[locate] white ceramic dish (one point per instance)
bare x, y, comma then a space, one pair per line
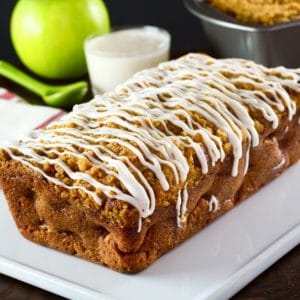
214, 264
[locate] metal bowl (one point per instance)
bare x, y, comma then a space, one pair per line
268, 45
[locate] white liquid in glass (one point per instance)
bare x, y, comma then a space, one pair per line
115, 57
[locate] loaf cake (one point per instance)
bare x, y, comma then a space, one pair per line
128, 176
260, 12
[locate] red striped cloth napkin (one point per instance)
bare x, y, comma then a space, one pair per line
18, 118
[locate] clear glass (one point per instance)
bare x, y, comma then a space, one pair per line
114, 57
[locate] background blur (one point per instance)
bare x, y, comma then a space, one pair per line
170, 14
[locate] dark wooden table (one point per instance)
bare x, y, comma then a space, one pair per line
281, 281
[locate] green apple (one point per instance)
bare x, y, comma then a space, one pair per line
48, 35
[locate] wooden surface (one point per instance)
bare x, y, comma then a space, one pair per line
280, 282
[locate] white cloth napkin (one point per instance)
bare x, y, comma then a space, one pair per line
18, 118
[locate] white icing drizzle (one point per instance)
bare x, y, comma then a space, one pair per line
181, 206
213, 204
279, 165
156, 116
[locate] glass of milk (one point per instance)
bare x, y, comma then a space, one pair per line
114, 57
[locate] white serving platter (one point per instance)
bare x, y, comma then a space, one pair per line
214, 264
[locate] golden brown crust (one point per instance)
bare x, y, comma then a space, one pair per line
55, 192
50, 218
260, 11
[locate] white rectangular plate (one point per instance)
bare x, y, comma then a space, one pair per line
214, 264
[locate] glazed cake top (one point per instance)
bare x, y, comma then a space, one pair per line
135, 143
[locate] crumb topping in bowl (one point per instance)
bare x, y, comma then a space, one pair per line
260, 12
